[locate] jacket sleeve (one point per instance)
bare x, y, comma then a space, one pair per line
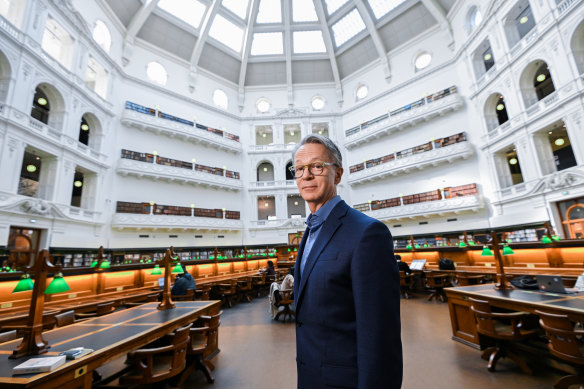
375, 282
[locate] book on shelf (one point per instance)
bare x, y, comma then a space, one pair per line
39, 365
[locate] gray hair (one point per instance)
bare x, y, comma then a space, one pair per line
328, 144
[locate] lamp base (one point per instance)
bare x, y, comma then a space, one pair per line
32, 343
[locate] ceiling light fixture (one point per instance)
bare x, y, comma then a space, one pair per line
559, 142
266, 205
78, 184
265, 169
500, 107
523, 20
540, 78
31, 168
85, 127
42, 101
513, 161
488, 57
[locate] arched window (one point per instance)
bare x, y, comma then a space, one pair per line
156, 73
220, 99
501, 111
40, 106
57, 42
577, 45
263, 105
84, 131
361, 92
289, 175
542, 82
265, 172
473, 19
102, 36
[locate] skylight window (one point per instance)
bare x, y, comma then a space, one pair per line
220, 99
270, 11
333, 5
308, 42
303, 11
381, 7
267, 43
227, 33
349, 26
190, 11
102, 35
156, 73
238, 7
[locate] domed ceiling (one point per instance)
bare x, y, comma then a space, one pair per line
278, 42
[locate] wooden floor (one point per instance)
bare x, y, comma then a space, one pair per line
257, 352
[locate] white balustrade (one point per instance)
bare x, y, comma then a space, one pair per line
429, 208
128, 220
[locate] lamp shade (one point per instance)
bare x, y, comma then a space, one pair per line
94, 263
156, 271
556, 238
178, 269
24, 284
507, 250
409, 247
105, 265
417, 246
546, 240
58, 285
462, 244
486, 252
471, 243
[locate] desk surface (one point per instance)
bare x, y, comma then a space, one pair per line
110, 336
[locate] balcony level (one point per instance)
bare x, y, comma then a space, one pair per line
129, 167
455, 205
437, 104
270, 185
271, 148
427, 159
126, 221
34, 208
175, 129
39, 129
296, 223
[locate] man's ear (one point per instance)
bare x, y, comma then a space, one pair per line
338, 175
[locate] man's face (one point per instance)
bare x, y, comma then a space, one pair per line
317, 190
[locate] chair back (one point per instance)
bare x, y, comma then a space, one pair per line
212, 322
563, 338
105, 308
65, 318
152, 298
404, 279
436, 280
7, 336
484, 317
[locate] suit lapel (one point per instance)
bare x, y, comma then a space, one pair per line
330, 226
297, 273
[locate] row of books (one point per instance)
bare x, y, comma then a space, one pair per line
153, 112
433, 195
442, 142
415, 104
160, 209
151, 158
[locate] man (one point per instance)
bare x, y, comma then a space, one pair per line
346, 284
182, 283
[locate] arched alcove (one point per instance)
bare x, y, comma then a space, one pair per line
577, 46
90, 131
536, 82
265, 171
5, 72
51, 110
495, 111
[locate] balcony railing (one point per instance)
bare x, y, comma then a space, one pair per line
258, 185
149, 119
565, 5
291, 223
10, 29
402, 118
470, 203
272, 148
434, 157
135, 221
532, 36
37, 208
163, 172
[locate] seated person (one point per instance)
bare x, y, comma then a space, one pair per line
182, 283
288, 281
402, 266
270, 270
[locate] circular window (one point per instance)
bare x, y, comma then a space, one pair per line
263, 105
422, 61
475, 17
220, 99
318, 103
102, 36
156, 73
361, 92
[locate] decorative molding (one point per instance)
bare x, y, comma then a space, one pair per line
435, 157
429, 208
122, 221
280, 224
272, 148
273, 185
172, 173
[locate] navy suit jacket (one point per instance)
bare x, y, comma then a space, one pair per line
347, 306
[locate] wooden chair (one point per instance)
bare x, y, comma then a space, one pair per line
228, 292
65, 318
405, 282
436, 282
259, 283
494, 325
190, 296
7, 336
465, 279
101, 309
564, 343
245, 288
285, 299
155, 364
198, 343
202, 293
151, 298
212, 323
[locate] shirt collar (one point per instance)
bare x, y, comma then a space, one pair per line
317, 218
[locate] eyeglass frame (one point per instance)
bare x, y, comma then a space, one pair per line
292, 168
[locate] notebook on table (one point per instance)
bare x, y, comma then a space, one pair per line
553, 284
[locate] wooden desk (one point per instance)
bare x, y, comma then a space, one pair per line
110, 336
463, 321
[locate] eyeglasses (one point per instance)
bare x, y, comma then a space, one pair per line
315, 168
